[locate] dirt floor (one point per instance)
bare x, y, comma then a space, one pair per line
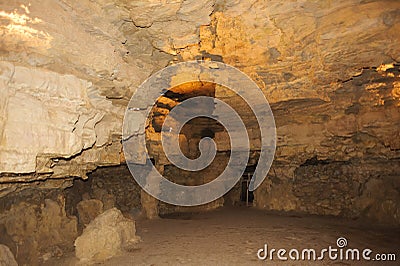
232, 236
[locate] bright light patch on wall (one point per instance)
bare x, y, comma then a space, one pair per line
17, 27
26, 8
396, 92
385, 67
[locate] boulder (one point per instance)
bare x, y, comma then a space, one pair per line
108, 235
6, 257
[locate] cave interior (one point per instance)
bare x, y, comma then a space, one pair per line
330, 71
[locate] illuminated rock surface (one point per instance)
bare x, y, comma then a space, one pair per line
329, 69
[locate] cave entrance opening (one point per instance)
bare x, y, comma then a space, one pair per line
247, 196
190, 136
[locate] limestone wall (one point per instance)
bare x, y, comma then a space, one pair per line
330, 70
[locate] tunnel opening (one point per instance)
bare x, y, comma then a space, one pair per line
247, 196
189, 138
114, 185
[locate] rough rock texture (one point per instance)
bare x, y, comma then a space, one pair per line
88, 210
334, 164
301, 49
32, 112
170, 25
330, 70
37, 227
106, 236
6, 257
68, 54
113, 186
188, 178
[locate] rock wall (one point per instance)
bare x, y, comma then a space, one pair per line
113, 186
48, 115
332, 156
39, 223
35, 226
67, 72
328, 68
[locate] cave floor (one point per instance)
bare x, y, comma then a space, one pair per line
232, 236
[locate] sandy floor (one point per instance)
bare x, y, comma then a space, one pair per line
232, 236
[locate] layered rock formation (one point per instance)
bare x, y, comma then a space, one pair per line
7, 258
35, 226
329, 69
349, 164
